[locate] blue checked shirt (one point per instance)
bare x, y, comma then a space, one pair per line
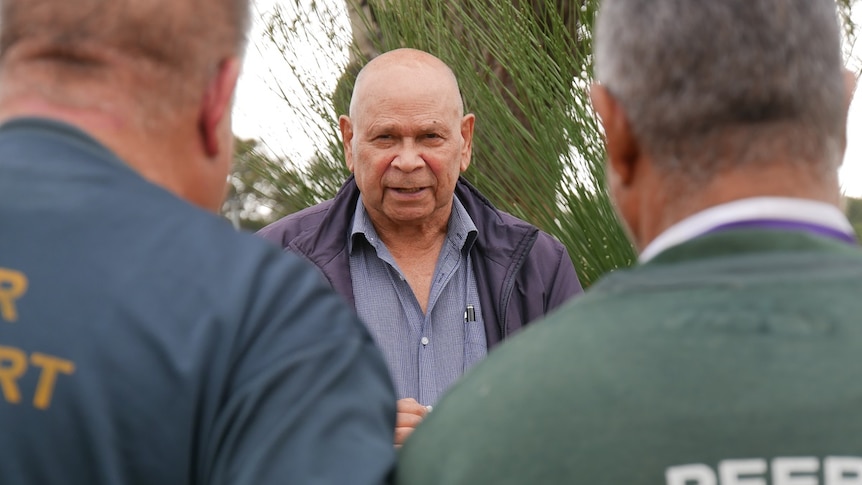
427, 352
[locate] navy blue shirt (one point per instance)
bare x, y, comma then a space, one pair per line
143, 341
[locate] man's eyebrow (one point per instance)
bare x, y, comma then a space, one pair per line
382, 126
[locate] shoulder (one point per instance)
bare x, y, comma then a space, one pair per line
499, 232
291, 339
321, 220
506, 238
236, 277
493, 220
289, 227
483, 212
547, 244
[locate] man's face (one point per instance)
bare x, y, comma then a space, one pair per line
406, 144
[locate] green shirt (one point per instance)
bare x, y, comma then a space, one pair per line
734, 356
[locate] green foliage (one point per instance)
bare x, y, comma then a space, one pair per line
845, 8
263, 188
524, 67
308, 93
853, 208
249, 196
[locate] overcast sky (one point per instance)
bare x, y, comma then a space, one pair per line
260, 114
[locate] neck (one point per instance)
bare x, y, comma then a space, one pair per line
412, 238
420, 236
112, 120
666, 204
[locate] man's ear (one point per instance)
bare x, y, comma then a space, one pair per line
468, 122
622, 147
216, 104
850, 79
346, 127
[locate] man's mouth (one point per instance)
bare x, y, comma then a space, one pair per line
412, 190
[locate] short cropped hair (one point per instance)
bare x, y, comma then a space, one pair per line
181, 38
706, 83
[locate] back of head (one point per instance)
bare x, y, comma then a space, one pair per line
152, 80
708, 85
167, 45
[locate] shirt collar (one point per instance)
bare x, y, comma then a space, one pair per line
461, 231
783, 208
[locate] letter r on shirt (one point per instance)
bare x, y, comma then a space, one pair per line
13, 284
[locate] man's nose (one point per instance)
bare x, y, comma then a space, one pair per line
409, 157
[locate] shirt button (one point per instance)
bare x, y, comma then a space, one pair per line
424, 340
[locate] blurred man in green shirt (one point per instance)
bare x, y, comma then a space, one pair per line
731, 353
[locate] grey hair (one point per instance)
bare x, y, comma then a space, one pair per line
241, 13
171, 45
707, 83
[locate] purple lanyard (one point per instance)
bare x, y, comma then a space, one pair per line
816, 229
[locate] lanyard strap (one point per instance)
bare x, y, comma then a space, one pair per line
816, 229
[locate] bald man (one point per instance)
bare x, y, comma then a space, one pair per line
142, 340
436, 272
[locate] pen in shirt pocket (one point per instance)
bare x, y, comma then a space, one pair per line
470, 314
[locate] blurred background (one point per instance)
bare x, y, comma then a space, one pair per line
523, 65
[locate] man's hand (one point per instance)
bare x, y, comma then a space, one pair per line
410, 414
